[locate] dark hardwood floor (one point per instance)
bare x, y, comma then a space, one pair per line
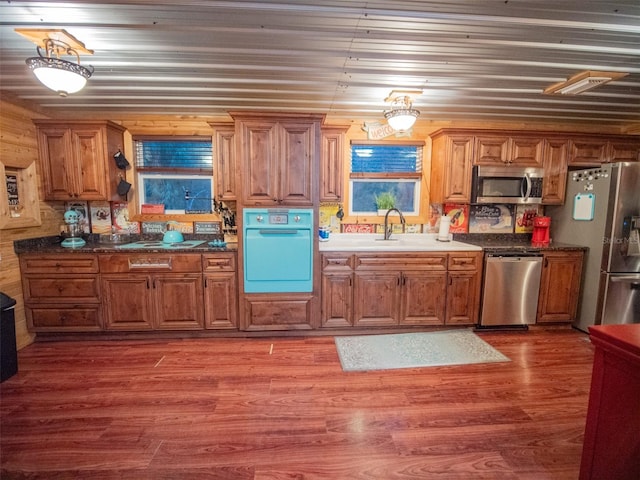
229, 409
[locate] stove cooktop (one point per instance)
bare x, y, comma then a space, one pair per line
159, 245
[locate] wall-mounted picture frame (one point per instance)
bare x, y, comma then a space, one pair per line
19, 203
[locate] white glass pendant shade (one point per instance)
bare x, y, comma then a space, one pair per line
402, 119
59, 75
402, 116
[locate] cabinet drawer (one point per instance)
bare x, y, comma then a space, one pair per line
223, 262
76, 318
123, 263
402, 261
461, 261
337, 261
77, 263
61, 289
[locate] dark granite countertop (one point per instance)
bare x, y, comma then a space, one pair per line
52, 244
514, 242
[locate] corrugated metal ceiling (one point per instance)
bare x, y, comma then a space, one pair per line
475, 61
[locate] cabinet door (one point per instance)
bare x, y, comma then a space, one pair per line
490, 150
221, 301
587, 152
376, 298
56, 160
224, 158
259, 165
89, 171
178, 301
624, 151
331, 164
127, 302
337, 299
297, 150
526, 151
559, 286
554, 183
451, 169
423, 298
462, 298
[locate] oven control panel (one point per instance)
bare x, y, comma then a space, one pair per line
279, 217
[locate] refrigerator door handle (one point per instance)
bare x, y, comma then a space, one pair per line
633, 280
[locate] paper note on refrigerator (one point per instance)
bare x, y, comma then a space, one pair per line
583, 206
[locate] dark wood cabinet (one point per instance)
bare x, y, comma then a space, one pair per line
463, 289
559, 286
61, 292
152, 291
332, 145
337, 290
554, 184
451, 167
76, 159
225, 168
400, 289
504, 150
279, 158
220, 291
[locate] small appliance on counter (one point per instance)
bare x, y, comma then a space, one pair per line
73, 231
541, 226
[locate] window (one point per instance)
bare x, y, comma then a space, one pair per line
176, 173
379, 168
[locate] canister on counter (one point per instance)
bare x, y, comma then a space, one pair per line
323, 233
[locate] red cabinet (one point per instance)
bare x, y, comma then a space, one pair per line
612, 434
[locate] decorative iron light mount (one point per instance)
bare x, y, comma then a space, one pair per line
402, 115
61, 76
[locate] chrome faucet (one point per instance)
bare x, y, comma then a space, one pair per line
388, 228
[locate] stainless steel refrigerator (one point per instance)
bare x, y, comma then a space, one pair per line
602, 212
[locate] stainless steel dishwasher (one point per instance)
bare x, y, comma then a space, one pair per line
510, 289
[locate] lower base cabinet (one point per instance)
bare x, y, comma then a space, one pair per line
148, 302
398, 289
61, 293
220, 291
278, 311
559, 286
170, 298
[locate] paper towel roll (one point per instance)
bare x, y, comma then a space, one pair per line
445, 223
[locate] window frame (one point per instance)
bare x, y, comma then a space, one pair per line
419, 205
140, 173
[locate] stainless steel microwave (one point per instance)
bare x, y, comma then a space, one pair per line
506, 185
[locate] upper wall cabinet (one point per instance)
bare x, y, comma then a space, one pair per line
77, 159
594, 150
224, 158
332, 146
279, 158
451, 167
522, 151
454, 151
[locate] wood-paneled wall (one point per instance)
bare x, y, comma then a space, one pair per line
18, 140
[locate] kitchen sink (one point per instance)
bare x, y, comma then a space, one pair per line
405, 242
160, 245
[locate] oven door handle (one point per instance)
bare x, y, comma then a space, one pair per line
277, 231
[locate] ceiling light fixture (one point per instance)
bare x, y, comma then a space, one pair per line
583, 82
61, 76
402, 116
